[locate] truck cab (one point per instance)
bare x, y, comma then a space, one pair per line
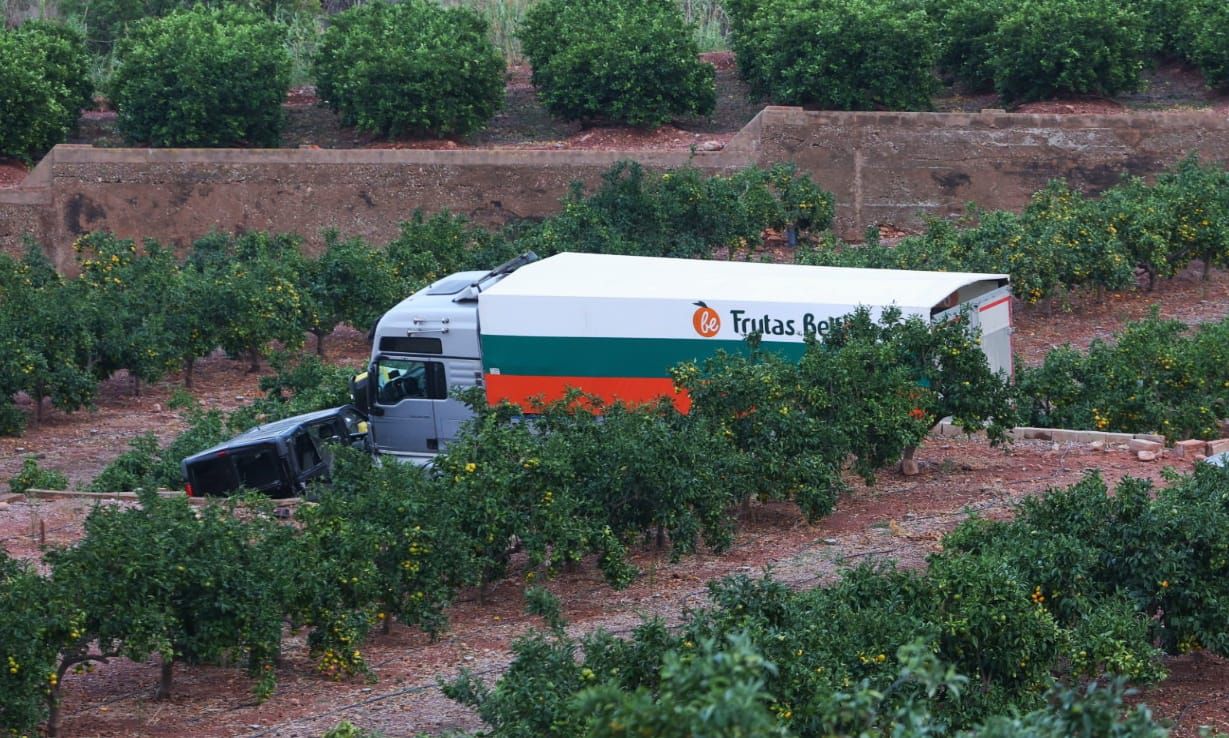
423, 350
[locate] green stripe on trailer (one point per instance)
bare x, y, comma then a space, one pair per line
608, 357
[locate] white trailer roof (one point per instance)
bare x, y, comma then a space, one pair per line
643, 277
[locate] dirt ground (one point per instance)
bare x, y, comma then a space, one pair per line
900, 518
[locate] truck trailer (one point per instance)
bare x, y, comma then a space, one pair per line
613, 326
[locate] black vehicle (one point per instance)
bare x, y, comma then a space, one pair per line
278, 458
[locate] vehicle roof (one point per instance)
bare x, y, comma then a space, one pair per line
433, 297
267, 431
641, 277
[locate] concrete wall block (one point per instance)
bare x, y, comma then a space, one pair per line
1218, 446
1143, 444
1190, 449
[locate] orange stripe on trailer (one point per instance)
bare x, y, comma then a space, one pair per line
996, 303
521, 390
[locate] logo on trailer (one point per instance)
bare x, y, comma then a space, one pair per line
705, 320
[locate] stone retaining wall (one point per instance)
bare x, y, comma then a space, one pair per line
885, 168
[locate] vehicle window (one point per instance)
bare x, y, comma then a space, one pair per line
212, 476
400, 379
352, 421
325, 431
258, 467
305, 451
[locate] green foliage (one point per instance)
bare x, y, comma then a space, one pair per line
188, 585
33, 476
124, 296
428, 249
349, 283
837, 54
136, 468
966, 31
1204, 31
382, 543
862, 389
681, 213
1043, 48
511, 480
45, 83
624, 61
1065, 240
298, 385
716, 691
1160, 551
347, 729
202, 77
1154, 377
256, 296
410, 68
29, 646
46, 347
1080, 582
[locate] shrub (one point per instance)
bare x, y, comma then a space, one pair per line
65, 61
1154, 377
186, 584
966, 39
202, 77
33, 476
43, 76
682, 213
625, 61
1208, 41
1047, 47
410, 68
839, 54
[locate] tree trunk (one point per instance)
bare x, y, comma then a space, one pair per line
254, 367
319, 343
388, 624
188, 365
661, 536
53, 712
1207, 268
136, 386
164, 680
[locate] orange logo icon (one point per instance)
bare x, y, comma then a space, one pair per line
705, 320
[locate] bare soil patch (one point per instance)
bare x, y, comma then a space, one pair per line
12, 173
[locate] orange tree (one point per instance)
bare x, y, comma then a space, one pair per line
127, 298
351, 283
1156, 376
29, 647
1161, 552
382, 543
45, 344
868, 390
257, 298
163, 579
507, 490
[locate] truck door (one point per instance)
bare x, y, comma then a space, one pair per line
406, 392
451, 413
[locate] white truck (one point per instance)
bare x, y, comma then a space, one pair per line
613, 326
